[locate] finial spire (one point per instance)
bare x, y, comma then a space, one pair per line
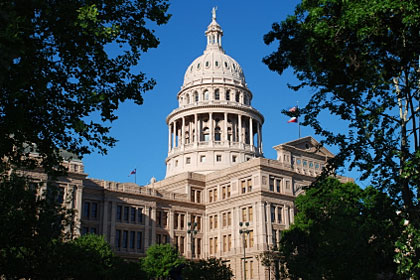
213, 13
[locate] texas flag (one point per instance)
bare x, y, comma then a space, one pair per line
293, 119
293, 109
132, 172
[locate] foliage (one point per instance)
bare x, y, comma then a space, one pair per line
408, 252
340, 232
360, 57
160, 260
58, 73
31, 227
210, 269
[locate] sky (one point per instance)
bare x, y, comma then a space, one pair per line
142, 132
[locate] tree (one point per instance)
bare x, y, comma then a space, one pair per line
57, 73
160, 260
210, 269
340, 232
361, 60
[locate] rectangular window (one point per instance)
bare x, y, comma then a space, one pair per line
164, 239
224, 243
132, 238
140, 215
279, 215
251, 239
176, 217
278, 185
249, 185
93, 230
210, 195
215, 194
271, 183
273, 214
244, 215
85, 230
94, 210
118, 238
229, 242
218, 158
125, 239
119, 210
198, 247
192, 195
165, 219
158, 239
182, 244
211, 222
215, 245
250, 214
223, 192
198, 197
159, 218
188, 160
274, 236
139, 239
215, 221
287, 185
224, 219
243, 186
229, 218
228, 191
86, 209
233, 158
202, 158
133, 215
211, 245
198, 223
182, 221
126, 211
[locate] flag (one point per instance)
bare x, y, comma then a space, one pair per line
132, 172
293, 109
293, 119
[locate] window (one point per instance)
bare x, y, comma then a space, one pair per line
316, 165
237, 98
224, 192
278, 185
217, 135
271, 183
216, 93
85, 230
218, 158
196, 96
249, 185
279, 215
133, 214
243, 186
211, 245
198, 223
132, 238
125, 239
176, 163
215, 194
224, 243
311, 164
176, 217
158, 239
227, 95
198, 246
159, 218
305, 163
244, 215
287, 185
224, 219
215, 221
139, 239
165, 219
206, 95
229, 242
118, 238
250, 214
86, 209
140, 215
198, 197
251, 239
210, 195
188, 160
126, 211
119, 210
192, 195
94, 210
229, 218
273, 214
181, 244
202, 158
298, 161
211, 222
233, 158
215, 245
182, 220
228, 191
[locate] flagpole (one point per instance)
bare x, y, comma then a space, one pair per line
297, 105
135, 176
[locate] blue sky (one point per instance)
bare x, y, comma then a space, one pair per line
142, 131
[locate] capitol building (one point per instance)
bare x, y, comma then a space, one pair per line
220, 197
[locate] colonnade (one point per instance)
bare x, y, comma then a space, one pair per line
214, 128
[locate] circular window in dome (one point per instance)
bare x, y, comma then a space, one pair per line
198, 66
226, 65
207, 64
216, 63
191, 68
234, 68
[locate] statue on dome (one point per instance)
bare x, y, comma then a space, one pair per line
213, 12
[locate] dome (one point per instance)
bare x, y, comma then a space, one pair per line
214, 65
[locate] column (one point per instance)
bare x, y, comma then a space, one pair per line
269, 225
169, 137
153, 225
196, 128
174, 136
261, 232
226, 127
79, 204
251, 133
211, 127
259, 137
146, 227
261, 143
240, 128
183, 132
105, 218
286, 216
171, 225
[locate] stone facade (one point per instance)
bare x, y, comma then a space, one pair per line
217, 181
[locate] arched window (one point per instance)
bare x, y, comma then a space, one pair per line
206, 95
195, 96
217, 134
188, 99
227, 95
237, 97
206, 135
216, 95
246, 99
230, 134
187, 137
